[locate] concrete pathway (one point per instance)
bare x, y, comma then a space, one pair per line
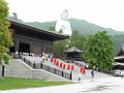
99, 85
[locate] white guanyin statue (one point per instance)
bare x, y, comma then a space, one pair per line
63, 24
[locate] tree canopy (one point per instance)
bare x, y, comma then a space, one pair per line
5, 35
60, 46
74, 41
77, 40
99, 51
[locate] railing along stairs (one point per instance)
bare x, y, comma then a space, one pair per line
42, 65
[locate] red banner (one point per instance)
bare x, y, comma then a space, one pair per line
82, 70
61, 64
68, 67
64, 65
72, 67
57, 63
51, 59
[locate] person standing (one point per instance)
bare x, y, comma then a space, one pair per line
80, 77
92, 75
122, 74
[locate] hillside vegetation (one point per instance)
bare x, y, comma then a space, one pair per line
86, 28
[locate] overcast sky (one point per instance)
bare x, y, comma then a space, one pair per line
106, 13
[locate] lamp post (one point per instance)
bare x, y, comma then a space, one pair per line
3, 67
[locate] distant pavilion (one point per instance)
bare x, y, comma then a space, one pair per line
73, 53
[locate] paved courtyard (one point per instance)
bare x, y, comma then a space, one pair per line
99, 85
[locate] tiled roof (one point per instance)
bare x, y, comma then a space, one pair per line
73, 49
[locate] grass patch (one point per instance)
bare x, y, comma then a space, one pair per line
17, 83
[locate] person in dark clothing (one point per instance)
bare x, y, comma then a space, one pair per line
92, 75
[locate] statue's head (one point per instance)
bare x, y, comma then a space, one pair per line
65, 15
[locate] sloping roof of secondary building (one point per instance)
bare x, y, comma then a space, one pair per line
73, 49
44, 33
121, 52
120, 55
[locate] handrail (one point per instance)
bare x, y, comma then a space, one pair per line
47, 68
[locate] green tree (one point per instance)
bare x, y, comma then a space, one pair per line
5, 35
52, 28
60, 31
60, 46
99, 51
77, 40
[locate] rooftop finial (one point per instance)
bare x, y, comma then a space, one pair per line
15, 15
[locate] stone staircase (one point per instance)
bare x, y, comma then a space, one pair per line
18, 69
23, 69
75, 73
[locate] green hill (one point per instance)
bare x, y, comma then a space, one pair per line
40, 25
84, 28
117, 41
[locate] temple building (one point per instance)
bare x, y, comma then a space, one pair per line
119, 59
31, 40
120, 56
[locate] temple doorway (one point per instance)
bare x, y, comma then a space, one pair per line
24, 48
